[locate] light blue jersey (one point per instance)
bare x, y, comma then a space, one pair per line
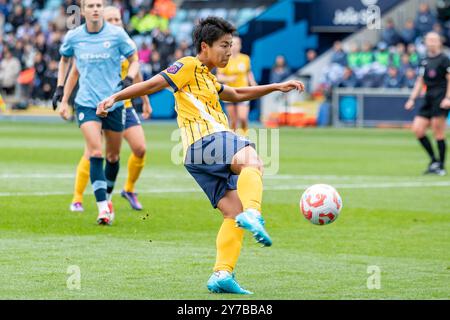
98, 57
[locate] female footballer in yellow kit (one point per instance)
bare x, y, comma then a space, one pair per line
226, 166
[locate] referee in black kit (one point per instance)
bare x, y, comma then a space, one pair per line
435, 74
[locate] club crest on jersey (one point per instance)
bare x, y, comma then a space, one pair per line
175, 67
432, 73
107, 44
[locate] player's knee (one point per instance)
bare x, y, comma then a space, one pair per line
418, 131
140, 151
96, 153
112, 157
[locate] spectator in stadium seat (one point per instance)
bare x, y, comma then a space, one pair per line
382, 55
425, 19
280, 70
50, 80
409, 33
353, 57
397, 53
393, 79
17, 17
4, 8
165, 43
404, 64
409, 78
414, 58
339, 56
60, 19
9, 72
389, 34
144, 53
187, 49
40, 67
348, 80
155, 63
29, 16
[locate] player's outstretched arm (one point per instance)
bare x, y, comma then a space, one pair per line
146, 106
71, 82
249, 93
155, 84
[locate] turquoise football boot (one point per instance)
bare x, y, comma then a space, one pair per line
225, 283
252, 221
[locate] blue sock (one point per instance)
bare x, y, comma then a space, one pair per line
111, 171
98, 178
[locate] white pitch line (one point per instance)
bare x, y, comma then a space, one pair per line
183, 175
385, 185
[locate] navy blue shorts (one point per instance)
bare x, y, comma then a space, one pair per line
208, 160
132, 118
115, 121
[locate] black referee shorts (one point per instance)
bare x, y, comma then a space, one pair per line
431, 107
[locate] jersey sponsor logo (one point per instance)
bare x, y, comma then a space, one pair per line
175, 67
95, 56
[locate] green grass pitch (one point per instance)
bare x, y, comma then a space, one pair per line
393, 218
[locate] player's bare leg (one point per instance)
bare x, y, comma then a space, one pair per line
232, 116
136, 140
242, 113
92, 132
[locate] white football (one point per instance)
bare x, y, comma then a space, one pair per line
321, 204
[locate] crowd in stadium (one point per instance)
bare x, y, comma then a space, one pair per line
391, 63
29, 47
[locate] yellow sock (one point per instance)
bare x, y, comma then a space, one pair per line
81, 179
245, 132
250, 188
135, 166
229, 243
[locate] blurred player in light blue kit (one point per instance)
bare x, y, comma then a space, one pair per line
97, 47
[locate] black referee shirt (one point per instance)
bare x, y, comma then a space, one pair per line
434, 71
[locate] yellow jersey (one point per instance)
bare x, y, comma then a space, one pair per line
123, 73
239, 67
196, 92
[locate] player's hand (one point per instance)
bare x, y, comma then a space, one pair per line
409, 104
146, 110
291, 85
102, 107
445, 104
64, 110
57, 96
126, 82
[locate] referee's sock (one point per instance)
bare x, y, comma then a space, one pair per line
442, 146
426, 144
